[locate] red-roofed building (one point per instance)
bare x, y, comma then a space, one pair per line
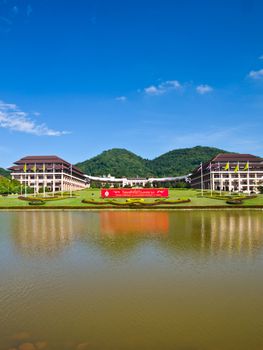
230, 172
48, 172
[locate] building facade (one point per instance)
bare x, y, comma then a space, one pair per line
48, 173
133, 182
230, 172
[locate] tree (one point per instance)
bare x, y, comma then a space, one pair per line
8, 186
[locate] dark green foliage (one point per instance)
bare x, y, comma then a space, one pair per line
120, 162
182, 161
234, 201
36, 202
4, 172
117, 162
260, 189
8, 186
95, 184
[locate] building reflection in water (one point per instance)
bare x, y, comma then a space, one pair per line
206, 231
114, 223
42, 232
233, 232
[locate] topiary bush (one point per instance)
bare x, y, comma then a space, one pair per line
234, 201
36, 202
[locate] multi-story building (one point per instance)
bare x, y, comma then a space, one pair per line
134, 182
230, 172
48, 173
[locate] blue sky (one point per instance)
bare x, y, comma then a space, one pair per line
78, 77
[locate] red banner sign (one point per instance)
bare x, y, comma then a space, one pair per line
134, 193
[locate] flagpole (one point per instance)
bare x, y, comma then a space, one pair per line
62, 180
25, 169
53, 183
220, 178
71, 180
248, 181
37, 175
35, 182
44, 182
211, 186
229, 180
202, 183
25, 185
238, 174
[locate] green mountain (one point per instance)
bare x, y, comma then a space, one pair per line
117, 162
120, 162
4, 172
182, 161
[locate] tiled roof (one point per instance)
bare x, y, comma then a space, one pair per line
236, 157
43, 160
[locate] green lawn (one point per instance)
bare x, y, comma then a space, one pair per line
193, 195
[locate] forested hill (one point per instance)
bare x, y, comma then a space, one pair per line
4, 172
182, 161
117, 162
120, 162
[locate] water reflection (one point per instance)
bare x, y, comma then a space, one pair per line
41, 232
126, 280
133, 223
217, 231
207, 231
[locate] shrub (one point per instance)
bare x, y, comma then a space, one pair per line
234, 201
135, 200
138, 203
48, 199
37, 202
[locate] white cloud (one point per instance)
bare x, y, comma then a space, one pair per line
121, 98
151, 90
204, 89
256, 74
12, 118
163, 87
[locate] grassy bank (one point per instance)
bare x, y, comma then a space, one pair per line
94, 194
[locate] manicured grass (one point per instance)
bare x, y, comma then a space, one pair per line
88, 194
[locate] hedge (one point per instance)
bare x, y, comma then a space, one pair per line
137, 203
37, 203
46, 199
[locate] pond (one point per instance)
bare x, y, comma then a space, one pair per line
146, 280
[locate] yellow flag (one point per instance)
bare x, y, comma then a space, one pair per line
246, 166
34, 168
44, 168
25, 168
226, 166
236, 168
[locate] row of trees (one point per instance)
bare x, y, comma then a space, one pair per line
8, 186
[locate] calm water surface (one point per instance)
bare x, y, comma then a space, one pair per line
184, 280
